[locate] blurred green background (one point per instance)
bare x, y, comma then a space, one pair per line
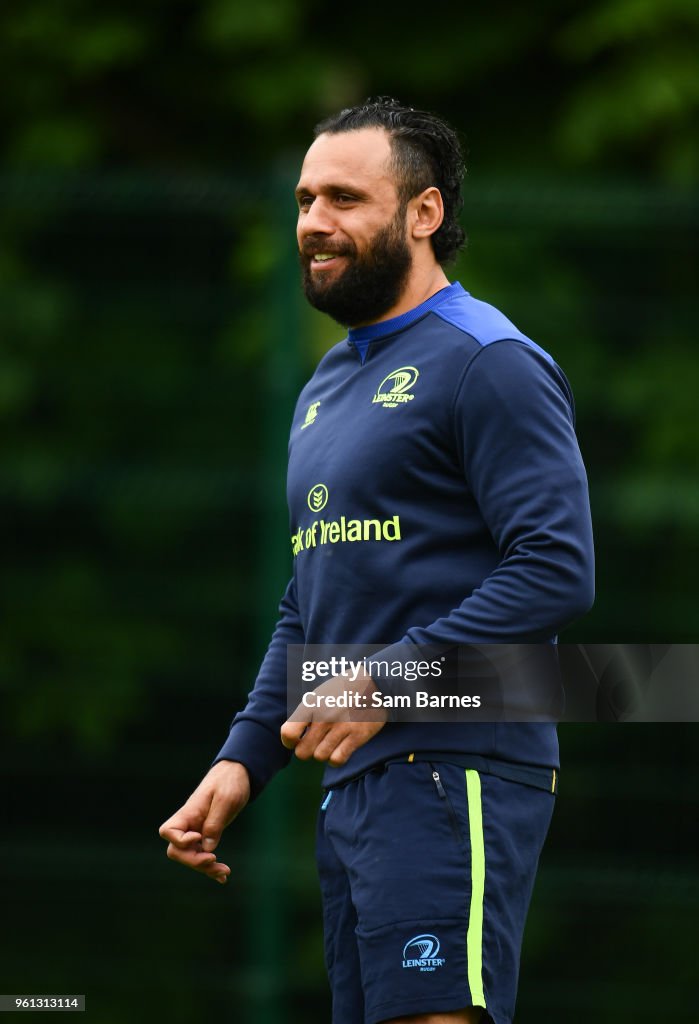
152, 340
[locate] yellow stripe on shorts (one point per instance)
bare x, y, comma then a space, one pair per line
474, 936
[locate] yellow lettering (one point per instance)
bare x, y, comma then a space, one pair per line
391, 528
377, 529
354, 529
344, 529
390, 400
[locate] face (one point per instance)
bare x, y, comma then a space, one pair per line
355, 257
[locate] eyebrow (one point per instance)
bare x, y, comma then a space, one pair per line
332, 190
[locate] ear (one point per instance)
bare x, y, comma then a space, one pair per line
425, 213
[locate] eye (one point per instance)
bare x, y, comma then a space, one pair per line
304, 202
344, 199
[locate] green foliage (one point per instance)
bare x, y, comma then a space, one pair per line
640, 94
136, 330
150, 346
230, 26
214, 82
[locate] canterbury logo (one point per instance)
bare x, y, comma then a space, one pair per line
317, 497
392, 391
310, 415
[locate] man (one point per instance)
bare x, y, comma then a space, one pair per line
437, 497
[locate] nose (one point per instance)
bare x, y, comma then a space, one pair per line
316, 219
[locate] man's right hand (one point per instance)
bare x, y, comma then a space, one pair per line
194, 832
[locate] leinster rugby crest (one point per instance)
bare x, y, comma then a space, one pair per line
394, 390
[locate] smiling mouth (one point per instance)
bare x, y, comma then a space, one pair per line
324, 259
325, 265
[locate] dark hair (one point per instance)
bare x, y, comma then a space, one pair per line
426, 152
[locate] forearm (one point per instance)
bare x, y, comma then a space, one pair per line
254, 736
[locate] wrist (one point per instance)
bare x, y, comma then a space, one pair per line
234, 770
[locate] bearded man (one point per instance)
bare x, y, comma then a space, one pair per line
437, 497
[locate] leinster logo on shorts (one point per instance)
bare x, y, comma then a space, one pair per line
393, 390
421, 952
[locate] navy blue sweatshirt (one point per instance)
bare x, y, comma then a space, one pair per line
437, 496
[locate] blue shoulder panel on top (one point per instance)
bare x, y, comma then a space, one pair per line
482, 321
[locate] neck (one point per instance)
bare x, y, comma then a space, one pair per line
422, 285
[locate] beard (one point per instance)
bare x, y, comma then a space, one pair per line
371, 283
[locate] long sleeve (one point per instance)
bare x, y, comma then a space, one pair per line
438, 500
254, 737
514, 432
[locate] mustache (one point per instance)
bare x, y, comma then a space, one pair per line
312, 246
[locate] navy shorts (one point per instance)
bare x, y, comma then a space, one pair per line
426, 873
